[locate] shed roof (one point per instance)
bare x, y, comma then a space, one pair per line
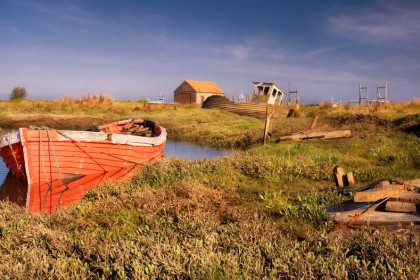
208, 87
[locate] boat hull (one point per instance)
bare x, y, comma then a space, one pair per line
256, 110
61, 166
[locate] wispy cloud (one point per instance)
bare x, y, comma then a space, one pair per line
386, 22
239, 51
131, 48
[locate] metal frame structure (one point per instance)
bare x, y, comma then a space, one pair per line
361, 96
379, 97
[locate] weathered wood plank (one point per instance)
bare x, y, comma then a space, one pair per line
379, 193
384, 184
347, 213
307, 135
399, 206
407, 197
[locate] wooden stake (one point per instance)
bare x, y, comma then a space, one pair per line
314, 120
269, 114
348, 179
338, 176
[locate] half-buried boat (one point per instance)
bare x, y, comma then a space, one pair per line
60, 166
266, 97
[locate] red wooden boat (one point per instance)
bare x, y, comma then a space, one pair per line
59, 166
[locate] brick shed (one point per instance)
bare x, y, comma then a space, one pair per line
195, 92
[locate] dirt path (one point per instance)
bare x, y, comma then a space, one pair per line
13, 121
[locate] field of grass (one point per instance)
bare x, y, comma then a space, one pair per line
254, 215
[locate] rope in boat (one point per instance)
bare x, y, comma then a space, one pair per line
59, 171
56, 161
45, 172
88, 146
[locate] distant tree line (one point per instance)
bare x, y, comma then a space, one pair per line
18, 93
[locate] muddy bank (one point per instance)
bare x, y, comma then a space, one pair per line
14, 121
408, 124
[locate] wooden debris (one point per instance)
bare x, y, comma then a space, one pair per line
415, 184
345, 213
341, 179
140, 130
348, 179
399, 206
308, 135
384, 184
338, 176
137, 128
379, 193
407, 197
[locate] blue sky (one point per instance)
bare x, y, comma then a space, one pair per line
140, 49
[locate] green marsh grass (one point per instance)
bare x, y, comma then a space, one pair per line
254, 215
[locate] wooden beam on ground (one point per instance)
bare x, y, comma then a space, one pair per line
407, 197
379, 193
399, 206
307, 135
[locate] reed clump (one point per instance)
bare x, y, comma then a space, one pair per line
92, 98
87, 98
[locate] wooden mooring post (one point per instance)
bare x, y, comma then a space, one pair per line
269, 115
314, 120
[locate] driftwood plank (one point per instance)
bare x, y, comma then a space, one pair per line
399, 206
379, 193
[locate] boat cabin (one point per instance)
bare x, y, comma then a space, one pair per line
267, 93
